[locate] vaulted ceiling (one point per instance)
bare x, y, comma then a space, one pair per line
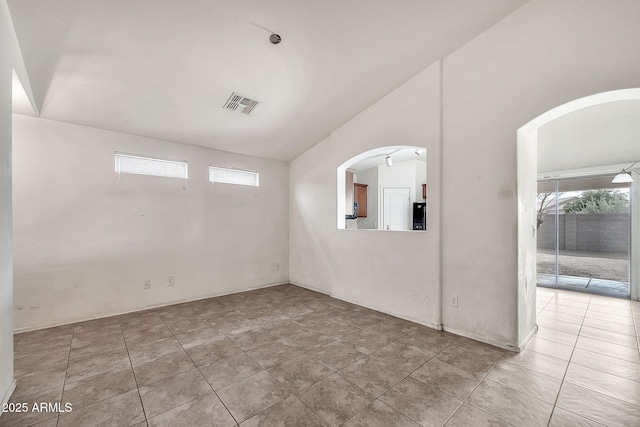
164, 68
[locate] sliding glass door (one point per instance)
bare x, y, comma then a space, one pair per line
584, 226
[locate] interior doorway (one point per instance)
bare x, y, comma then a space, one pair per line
583, 237
396, 203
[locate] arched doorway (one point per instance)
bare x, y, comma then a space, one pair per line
527, 164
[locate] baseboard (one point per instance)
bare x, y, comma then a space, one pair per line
389, 312
164, 304
7, 395
524, 343
381, 310
311, 288
480, 338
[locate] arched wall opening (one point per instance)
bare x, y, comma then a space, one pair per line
527, 176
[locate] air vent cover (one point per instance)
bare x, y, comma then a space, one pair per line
236, 101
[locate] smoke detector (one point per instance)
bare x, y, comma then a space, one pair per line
236, 101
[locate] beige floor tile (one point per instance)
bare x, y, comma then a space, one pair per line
137, 337
31, 417
51, 422
365, 342
335, 399
247, 397
38, 380
274, 353
372, 376
550, 348
230, 370
428, 343
162, 367
235, 326
94, 389
299, 373
609, 349
602, 382
623, 320
608, 364
466, 360
538, 362
314, 319
86, 336
526, 381
562, 418
467, 416
252, 338
98, 364
336, 330
284, 328
199, 337
336, 355
558, 316
598, 300
565, 309
389, 330
597, 406
289, 412
29, 346
181, 325
401, 356
610, 326
307, 340
608, 336
557, 336
479, 348
421, 403
569, 303
618, 311
108, 343
122, 410
558, 325
40, 363
208, 353
173, 391
153, 350
447, 378
203, 411
510, 405
379, 414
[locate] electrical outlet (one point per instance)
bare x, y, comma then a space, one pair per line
277, 267
171, 281
147, 284
454, 301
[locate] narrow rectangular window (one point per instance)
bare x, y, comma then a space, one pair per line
141, 165
233, 176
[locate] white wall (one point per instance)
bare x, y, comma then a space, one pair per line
600, 135
86, 239
393, 271
6, 266
543, 55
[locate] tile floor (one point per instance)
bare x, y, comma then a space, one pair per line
288, 356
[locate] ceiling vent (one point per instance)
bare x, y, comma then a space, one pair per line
236, 101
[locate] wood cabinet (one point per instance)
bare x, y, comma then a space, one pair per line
360, 196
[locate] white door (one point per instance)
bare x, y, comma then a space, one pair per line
396, 208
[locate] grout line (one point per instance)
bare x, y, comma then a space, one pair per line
64, 383
555, 403
135, 378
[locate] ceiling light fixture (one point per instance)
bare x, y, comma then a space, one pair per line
388, 160
624, 177
275, 38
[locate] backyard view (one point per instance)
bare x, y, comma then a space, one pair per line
583, 236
